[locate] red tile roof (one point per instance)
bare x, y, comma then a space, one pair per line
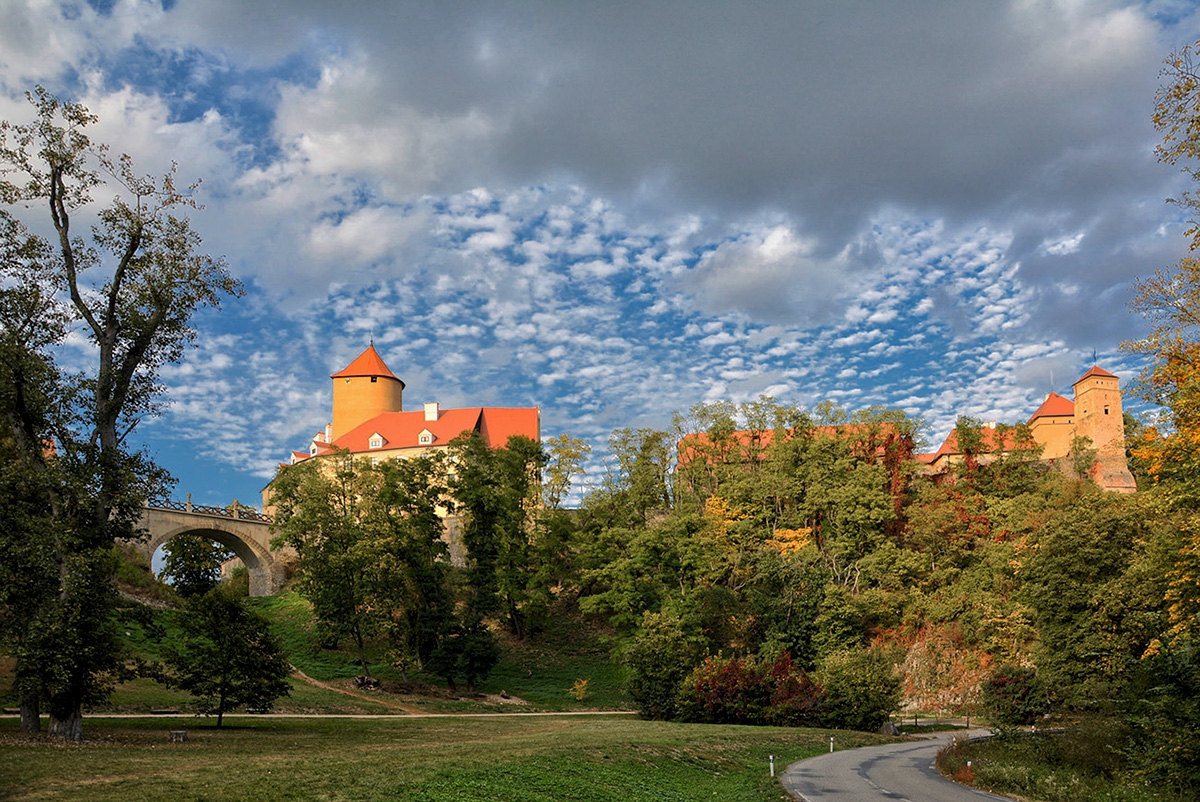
991, 439
1095, 371
1053, 406
368, 363
403, 429
501, 423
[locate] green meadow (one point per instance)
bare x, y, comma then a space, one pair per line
553, 757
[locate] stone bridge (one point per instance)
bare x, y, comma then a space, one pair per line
243, 530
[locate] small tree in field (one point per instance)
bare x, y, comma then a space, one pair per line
227, 656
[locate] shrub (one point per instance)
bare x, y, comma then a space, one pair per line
726, 691
862, 688
658, 659
1012, 695
746, 691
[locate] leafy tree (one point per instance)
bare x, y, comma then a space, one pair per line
130, 287
319, 510
373, 558
565, 459
470, 651
1079, 557
410, 569
862, 689
740, 690
1164, 709
659, 658
227, 657
498, 491
1012, 695
192, 563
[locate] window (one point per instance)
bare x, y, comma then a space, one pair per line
376, 441
374, 379
425, 438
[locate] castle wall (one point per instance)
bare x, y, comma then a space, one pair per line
1054, 435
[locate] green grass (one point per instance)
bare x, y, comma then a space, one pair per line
537, 674
541, 671
1048, 767
424, 760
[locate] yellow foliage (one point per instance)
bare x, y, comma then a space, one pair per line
790, 541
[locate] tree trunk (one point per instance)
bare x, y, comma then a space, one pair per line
69, 728
31, 720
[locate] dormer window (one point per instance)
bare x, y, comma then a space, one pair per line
425, 438
376, 441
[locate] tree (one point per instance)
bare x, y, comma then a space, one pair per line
192, 563
565, 459
227, 657
498, 491
130, 287
862, 689
1013, 695
319, 510
372, 558
1177, 117
659, 659
410, 587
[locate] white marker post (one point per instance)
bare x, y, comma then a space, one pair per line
831, 744
772, 765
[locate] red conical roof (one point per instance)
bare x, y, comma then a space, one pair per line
1095, 371
368, 363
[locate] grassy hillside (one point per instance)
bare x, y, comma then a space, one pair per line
535, 675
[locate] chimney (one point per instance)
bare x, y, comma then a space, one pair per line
329, 433
431, 410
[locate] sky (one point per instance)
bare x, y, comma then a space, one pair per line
616, 210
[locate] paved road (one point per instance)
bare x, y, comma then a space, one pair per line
900, 772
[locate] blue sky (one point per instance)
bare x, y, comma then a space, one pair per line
614, 211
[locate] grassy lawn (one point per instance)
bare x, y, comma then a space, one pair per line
424, 760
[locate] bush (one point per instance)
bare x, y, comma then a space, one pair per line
745, 691
862, 689
725, 691
658, 660
1012, 695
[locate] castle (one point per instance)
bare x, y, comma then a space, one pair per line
369, 420
1095, 414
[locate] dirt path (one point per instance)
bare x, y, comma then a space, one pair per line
412, 711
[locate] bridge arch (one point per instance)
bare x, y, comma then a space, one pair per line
249, 539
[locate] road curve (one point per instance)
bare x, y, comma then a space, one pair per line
900, 772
